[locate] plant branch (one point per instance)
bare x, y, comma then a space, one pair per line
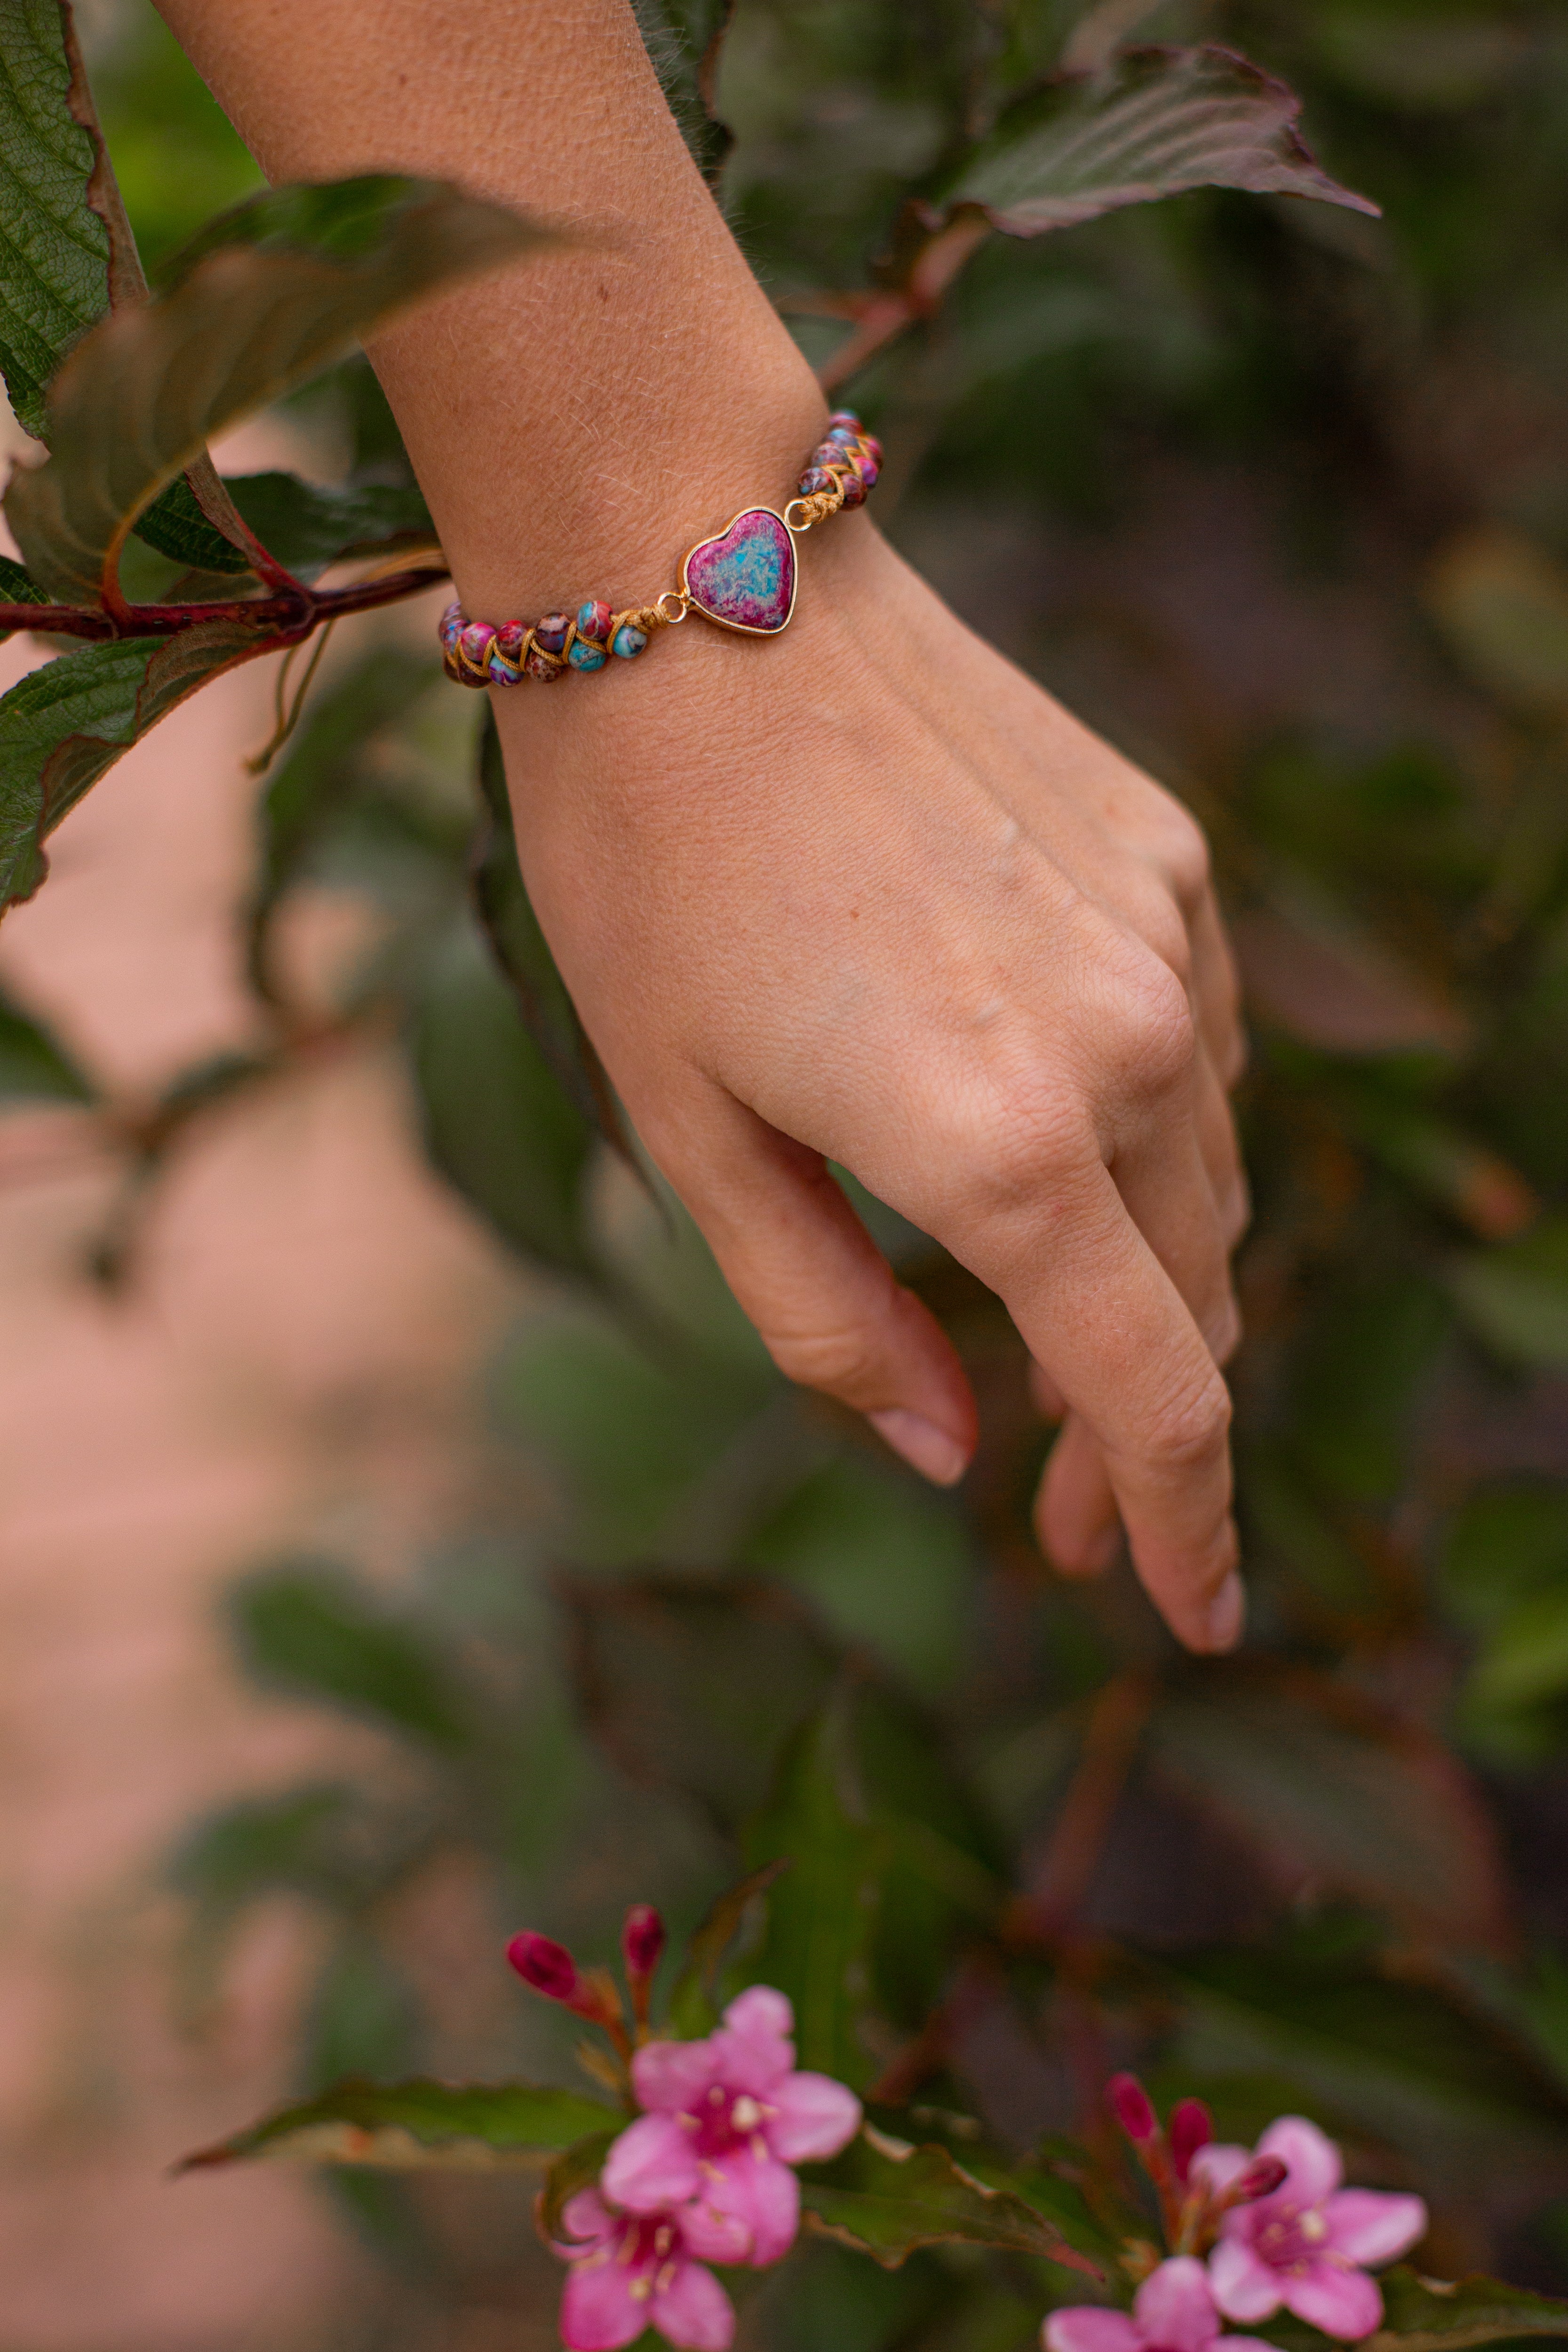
291, 617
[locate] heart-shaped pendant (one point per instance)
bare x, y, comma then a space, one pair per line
744, 579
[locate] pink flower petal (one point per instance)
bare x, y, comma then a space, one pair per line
1342, 2302
652, 2164
753, 2050
761, 2010
1084, 2327
814, 2116
1242, 2286
1219, 2164
588, 2218
673, 2076
1366, 2225
1313, 2159
713, 2236
1174, 2308
693, 2310
760, 2193
599, 2309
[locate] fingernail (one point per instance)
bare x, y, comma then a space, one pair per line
1225, 1615
926, 1448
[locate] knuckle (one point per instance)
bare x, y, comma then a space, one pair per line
1183, 853
842, 1359
1155, 1037
1190, 1430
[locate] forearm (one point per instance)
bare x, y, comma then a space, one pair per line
576, 420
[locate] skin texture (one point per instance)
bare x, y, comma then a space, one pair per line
862, 892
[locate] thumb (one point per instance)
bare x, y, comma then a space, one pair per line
823, 1297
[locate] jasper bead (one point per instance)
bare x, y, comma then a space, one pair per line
503, 672
815, 478
451, 626
509, 642
628, 642
844, 416
474, 642
829, 453
593, 619
551, 632
539, 665
854, 490
585, 655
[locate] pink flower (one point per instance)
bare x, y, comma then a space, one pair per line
726, 2119
1174, 2310
1303, 2245
632, 2271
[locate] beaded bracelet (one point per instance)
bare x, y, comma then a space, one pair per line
743, 579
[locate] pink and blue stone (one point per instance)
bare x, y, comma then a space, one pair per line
587, 650
744, 578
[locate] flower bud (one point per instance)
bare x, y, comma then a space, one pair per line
548, 1967
1129, 2104
1263, 2176
642, 1941
1191, 2127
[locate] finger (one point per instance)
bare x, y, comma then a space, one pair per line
1216, 990
1098, 1311
1076, 1518
822, 1296
1048, 1399
1162, 1176
1221, 1155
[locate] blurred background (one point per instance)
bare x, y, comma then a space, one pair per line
405, 1539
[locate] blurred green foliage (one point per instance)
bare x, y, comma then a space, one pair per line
1278, 496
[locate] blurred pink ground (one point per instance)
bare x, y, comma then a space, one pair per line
292, 1361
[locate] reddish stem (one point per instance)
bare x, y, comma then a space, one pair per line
291, 617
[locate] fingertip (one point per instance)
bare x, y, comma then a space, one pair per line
1225, 1618
935, 1453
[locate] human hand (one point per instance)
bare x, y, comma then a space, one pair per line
866, 894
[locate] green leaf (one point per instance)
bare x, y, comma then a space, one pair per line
628, 1439
54, 249
1422, 2314
308, 527
1394, 2060
1335, 1797
1505, 1543
847, 1535
323, 768
420, 2125
265, 298
308, 1627
821, 1913
523, 952
1158, 122
495, 1122
62, 726
886, 2198
305, 526
684, 39
1525, 1659
692, 1684
1515, 1297
16, 584
265, 1842
694, 1997
33, 1067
